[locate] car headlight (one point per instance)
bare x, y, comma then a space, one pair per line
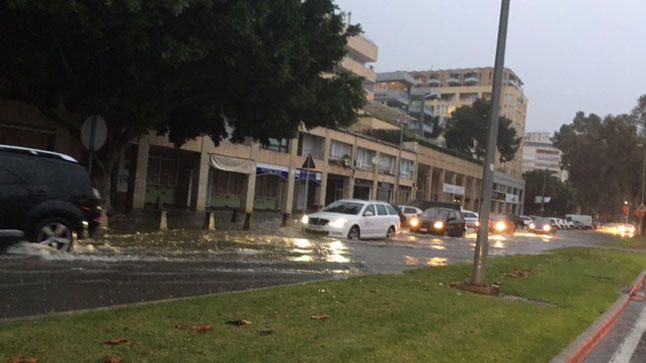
622, 229
533, 226
438, 225
338, 223
477, 223
305, 219
414, 222
500, 226
631, 229
547, 228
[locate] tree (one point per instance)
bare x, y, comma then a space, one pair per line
602, 160
186, 67
563, 195
467, 131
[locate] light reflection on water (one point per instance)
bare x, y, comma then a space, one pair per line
304, 250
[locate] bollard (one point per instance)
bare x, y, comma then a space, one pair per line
247, 222
234, 216
163, 221
210, 221
285, 221
104, 219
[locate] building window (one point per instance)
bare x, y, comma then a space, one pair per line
386, 164
406, 169
339, 150
162, 170
310, 144
279, 145
364, 159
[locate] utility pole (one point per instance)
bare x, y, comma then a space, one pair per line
482, 242
641, 195
543, 193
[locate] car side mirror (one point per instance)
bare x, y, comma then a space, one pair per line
368, 213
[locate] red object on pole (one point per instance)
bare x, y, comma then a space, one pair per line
626, 210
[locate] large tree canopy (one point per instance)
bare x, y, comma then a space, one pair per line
180, 66
467, 131
603, 161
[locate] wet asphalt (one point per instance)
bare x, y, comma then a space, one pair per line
123, 269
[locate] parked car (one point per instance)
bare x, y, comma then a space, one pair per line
501, 224
541, 226
471, 219
46, 195
354, 219
409, 213
440, 221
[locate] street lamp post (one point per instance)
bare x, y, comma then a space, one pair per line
481, 250
543, 193
641, 194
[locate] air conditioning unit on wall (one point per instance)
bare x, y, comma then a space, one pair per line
347, 162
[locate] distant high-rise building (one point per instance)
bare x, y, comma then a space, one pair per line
539, 153
462, 86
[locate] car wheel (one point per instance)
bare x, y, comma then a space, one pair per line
391, 232
354, 233
56, 233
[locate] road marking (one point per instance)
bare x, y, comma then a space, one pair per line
626, 350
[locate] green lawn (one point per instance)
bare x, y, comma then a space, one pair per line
633, 243
413, 316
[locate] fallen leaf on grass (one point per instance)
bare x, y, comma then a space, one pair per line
241, 322
516, 273
23, 360
112, 359
116, 341
320, 317
199, 328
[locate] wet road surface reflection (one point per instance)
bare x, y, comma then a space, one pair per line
118, 269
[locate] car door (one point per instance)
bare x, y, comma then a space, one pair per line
369, 222
394, 218
15, 198
383, 220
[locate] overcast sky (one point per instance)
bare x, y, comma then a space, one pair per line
572, 55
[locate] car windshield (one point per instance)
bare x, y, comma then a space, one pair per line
344, 207
435, 213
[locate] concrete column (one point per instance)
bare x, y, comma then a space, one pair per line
141, 174
288, 194
375, 178
324, 168
203, 175
472, 193
348, 188
429, 184
250, 189
440, 189
413, 190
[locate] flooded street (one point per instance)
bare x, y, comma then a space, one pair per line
122, 269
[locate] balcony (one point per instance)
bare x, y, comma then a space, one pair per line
433, 82
471, 80
392, 96
352, 65
365, 47
453, 81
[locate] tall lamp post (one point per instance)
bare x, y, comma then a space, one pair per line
641, 194
481, 250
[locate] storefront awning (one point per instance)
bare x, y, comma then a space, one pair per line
228, 163
269, 169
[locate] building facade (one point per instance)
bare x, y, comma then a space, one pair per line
540, 153
449, 89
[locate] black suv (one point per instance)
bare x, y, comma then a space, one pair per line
47, 195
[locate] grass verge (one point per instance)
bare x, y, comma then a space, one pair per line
414, 316
637, 243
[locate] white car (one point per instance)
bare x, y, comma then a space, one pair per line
410, 212
354, 219
471, 219
527, 221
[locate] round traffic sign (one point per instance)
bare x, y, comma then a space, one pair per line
97, 124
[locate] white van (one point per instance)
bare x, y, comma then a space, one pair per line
585, 220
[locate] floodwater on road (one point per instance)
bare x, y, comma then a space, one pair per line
121, 269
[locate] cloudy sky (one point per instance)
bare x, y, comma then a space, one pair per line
573, 55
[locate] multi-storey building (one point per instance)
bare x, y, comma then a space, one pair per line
462, 86
540, 153
361, 52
